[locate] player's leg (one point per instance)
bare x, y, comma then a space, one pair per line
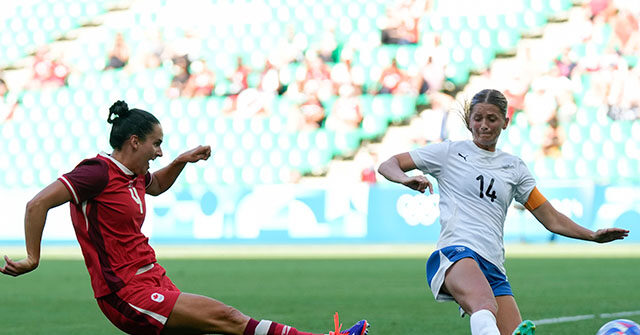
508, 317
467, 284
195, 314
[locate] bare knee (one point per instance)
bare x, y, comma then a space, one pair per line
227, 317
490, 304
231, 315
199, 314
474, 304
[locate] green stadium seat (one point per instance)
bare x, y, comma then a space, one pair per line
505, 40
584, 168
562, 169
589, 150
606, 170
346, 143
373, 126
268, 174
514, 136
402, 107
543, 168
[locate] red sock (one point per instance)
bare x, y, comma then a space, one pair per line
266, 327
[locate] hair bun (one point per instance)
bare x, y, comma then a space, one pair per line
118, 110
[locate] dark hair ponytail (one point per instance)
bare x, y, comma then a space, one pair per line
127, 122
118, 111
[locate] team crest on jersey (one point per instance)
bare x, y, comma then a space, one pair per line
157, 297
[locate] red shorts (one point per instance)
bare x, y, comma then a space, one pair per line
144, 304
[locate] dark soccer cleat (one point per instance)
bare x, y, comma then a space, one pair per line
360, 328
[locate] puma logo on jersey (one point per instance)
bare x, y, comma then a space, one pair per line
465, 157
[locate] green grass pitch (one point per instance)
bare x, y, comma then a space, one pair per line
390, 293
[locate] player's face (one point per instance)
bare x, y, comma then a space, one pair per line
150, 148
486, 122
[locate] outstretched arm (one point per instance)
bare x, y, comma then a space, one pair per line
559, 223
394, 170
165, 177
34, 219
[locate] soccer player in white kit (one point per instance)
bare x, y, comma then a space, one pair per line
477, 183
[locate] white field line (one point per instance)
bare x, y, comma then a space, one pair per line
585, 317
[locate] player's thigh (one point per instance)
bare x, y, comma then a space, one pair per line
508, 317
469, 287
196, 314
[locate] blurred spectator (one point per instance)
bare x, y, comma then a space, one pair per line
190, 43
312, 113
118, 57
345, 114
567, 107
401, 26
156, 50
327, 47
250, 102
626, 37
270, 79
565, 63
317, 79
540, 103
181, 74
8, 102
201, 82
240, 78
623, 99
343, 73
515, 91
391, 79
289, 49
431, 125
431, 76
47, 70
368, 159
553, 139
598, 7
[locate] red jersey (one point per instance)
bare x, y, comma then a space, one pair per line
107, 211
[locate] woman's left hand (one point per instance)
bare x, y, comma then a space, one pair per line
201, 152
609, 234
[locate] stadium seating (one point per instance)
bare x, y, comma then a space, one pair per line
53, 131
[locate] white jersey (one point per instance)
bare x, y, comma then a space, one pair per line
476, 188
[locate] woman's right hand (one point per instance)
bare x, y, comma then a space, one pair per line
419, 183
16, 268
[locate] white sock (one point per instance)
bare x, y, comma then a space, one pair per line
483, 322
263, 327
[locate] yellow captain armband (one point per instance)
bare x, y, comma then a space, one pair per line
535, 199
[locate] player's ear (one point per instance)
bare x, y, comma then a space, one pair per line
134, 140
506, 123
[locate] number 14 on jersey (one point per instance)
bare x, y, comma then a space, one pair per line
490, 193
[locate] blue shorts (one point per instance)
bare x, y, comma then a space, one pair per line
441, 260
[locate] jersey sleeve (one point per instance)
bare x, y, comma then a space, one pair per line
86, 180
430, 158
525, 183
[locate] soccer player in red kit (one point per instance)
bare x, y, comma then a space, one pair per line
107, 195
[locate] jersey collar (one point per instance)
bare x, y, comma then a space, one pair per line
118, 164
